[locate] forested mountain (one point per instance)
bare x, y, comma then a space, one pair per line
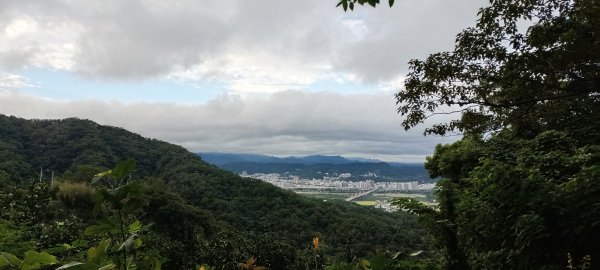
318, 166
226, 158
201, 214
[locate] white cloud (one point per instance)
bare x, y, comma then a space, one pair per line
246, 45
264, 47
13, 82
285, 123
29, 42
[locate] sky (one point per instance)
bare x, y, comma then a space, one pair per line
275, 77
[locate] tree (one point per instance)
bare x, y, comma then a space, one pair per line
520, 190
501, 76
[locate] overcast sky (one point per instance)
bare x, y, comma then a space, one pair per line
274, 77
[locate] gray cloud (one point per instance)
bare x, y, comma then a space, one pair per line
287, 123
137, 39
263, 46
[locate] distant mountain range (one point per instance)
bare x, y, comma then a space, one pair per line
318, 166
225, 158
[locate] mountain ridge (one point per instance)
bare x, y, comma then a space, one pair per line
220, 158
318, 166
193, 199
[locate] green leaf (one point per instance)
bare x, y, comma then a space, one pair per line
35, 260
103, 227
108, 267
79, 243
98, 254
391, 3
131, 265
153, 263
363, 264
135, 227
138, 243
59, 248
7, 259
129, 243
379, 262
123, 169
71, 265
101, 175
126, 191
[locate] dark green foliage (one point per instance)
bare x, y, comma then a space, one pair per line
200, 214
388, 261
520, 190
82, 173
12, 238
500, 75
349, 4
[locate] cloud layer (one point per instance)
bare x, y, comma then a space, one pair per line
262, 45
287, 123
255, 50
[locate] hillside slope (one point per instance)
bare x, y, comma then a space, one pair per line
246, 208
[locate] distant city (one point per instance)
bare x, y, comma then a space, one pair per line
338, 182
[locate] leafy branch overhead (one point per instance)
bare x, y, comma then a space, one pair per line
502, 74
349, 4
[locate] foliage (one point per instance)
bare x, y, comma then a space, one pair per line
500, 75
31, 260
520, 190
389, 261
200, 214
82, 173
122, 243
12, 238
349, 4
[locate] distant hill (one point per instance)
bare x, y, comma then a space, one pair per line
318, 166
227, 158
198, 209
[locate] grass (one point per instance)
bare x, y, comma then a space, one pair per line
75, 194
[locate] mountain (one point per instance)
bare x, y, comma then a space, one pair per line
226, 158
318, 166
200, 213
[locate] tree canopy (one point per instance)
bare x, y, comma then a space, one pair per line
520, 189
529, 65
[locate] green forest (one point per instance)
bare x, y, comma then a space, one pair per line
517, 191
188, 212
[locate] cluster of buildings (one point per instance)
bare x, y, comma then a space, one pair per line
336, 183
